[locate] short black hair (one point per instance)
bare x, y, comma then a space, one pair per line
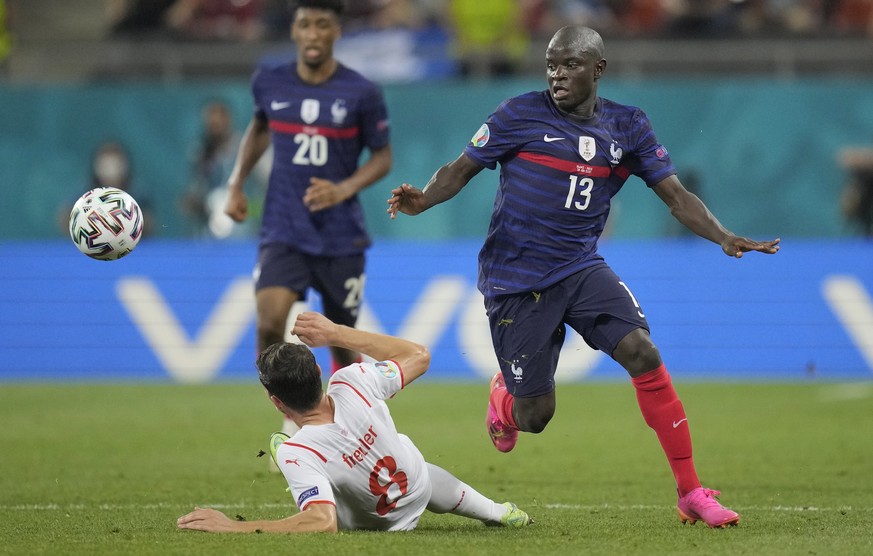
336, 6
289, 372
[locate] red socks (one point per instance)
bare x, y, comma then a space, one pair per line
503, 401
664, 413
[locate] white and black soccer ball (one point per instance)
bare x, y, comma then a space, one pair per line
106, 223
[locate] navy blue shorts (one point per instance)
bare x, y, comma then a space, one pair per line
339, 280
528, 329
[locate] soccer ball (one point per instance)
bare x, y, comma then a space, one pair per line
106, 223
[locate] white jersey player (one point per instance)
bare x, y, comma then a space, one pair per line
375, 477
348, 467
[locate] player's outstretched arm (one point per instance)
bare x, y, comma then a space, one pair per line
254, 143
316, 330
688, 209
443, 185
315, 518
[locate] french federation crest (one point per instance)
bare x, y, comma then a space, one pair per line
615, 151
338, 111
587, 148
309, 110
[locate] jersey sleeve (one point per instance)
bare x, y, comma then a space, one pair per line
306, 478
651, 161
374, 119
380, 380
495, 139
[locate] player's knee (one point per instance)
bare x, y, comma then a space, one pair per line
648, 358
270, 330
537, 423
533, 417
637, 353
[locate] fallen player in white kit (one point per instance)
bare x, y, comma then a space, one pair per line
347, 467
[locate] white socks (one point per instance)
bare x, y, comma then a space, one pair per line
452, 495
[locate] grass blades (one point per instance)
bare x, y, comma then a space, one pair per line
107, 469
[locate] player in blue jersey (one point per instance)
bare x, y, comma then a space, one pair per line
563, 154
319, 116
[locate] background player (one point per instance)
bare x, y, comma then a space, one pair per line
563, 154
321, 116
347, 467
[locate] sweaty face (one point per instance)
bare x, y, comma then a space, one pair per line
314, 31
572, 74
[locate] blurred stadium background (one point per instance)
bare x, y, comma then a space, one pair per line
766, 107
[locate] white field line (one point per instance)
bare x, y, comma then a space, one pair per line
268, 506
620, 507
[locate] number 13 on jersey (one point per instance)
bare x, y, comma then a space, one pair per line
582, 188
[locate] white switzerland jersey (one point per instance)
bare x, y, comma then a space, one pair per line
376, 478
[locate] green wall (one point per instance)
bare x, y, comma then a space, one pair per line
764, 152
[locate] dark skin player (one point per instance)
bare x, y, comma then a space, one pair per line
574, 65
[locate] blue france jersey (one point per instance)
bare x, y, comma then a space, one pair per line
317, 131
558, 175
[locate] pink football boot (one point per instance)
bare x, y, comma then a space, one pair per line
700, 504
502, 435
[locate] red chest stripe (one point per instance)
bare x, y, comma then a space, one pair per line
324, 459
330, 132
573, 167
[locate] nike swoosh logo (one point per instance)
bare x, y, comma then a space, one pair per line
679, 422
275, 105
549, 139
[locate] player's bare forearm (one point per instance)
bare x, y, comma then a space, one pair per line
688, 209
254, 143
694, 215
702, 222
316, 330
443, 185
317, 518
449, 180
697, 218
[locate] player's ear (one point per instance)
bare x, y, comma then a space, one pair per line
600, 69
279, 405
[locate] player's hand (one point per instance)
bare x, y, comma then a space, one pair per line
735, 246
406, 199
237, 205
314, 329
322, 194
207, 519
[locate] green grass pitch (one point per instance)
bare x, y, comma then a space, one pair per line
106, 469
